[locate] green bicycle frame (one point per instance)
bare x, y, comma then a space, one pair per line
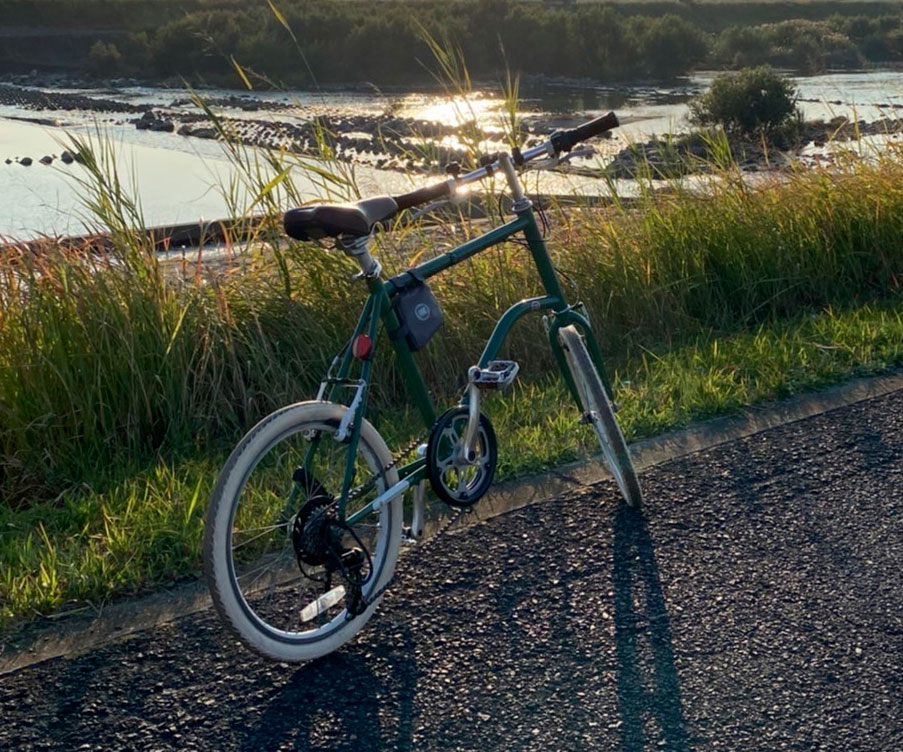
378, 309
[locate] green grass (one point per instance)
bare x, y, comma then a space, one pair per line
144, 531
125, 381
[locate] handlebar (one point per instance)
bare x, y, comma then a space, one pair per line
559, 141
424, 195
567, 140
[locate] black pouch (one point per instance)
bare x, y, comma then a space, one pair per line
419, 315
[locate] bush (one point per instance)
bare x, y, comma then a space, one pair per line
753, 100
104, 59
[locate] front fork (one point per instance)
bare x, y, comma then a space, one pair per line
576, 315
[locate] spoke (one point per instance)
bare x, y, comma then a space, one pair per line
266, 565
265, 528
266, 531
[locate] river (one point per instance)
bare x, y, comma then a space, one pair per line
179, 179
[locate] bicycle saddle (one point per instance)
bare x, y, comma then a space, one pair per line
332, 220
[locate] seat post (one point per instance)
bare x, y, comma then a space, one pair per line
359, 250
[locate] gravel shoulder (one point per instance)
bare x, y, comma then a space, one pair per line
754, 604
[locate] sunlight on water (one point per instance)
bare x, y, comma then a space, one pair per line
180, 179
480, 107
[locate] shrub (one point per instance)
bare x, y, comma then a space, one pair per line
104, 59
753, 100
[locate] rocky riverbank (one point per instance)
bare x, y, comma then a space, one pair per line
696, 152
385, 141
388, 141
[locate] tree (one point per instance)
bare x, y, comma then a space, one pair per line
104, 59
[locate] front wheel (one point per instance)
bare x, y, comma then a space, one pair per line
292, 580
598, 408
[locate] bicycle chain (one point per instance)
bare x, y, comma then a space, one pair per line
367, 486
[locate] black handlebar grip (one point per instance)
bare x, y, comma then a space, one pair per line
567, 140
422, 196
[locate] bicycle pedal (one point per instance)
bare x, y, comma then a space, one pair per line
496, 375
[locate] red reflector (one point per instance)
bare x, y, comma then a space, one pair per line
361, 346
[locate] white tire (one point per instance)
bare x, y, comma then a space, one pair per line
598, 407
259, 591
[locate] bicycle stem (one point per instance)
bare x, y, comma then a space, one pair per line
521, 202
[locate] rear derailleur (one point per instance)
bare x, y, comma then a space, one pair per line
318, 538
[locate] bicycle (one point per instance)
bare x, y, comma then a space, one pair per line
306, 520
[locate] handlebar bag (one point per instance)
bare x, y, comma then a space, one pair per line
419, 313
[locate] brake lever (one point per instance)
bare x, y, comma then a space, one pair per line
422, 211
545, 164
583, 151
552, 162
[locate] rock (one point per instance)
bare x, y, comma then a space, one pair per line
8, 161
67, 157
26, 161
46, 160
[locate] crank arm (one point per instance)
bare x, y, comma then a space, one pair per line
467, 449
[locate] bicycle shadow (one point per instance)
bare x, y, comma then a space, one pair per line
645, 656
338, 703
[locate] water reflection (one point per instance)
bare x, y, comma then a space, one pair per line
180, 179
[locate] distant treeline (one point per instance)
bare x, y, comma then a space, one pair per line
382, 42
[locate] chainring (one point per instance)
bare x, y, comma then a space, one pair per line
460, 484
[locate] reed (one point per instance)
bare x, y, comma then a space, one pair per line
124, 378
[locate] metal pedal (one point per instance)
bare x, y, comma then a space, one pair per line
496, 375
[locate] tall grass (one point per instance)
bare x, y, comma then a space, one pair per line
124, 379
116, 359
130, 534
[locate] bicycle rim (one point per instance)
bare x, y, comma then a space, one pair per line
291, 465
596, 403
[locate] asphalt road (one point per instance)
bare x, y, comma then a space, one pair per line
755, 604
